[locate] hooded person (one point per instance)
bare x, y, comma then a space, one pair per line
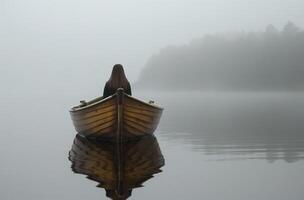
117, 80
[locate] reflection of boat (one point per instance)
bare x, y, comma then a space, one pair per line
118, 115
118, 167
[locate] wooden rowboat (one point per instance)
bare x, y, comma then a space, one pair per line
119, 116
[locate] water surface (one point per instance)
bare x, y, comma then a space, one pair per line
215, 145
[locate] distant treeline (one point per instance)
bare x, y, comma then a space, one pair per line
268, 60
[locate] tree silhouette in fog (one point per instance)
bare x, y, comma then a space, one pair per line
268, 60
291, 29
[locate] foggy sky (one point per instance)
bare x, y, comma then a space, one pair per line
45, 40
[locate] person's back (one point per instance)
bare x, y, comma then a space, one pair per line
117, 80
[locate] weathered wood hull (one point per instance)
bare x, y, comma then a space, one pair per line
120, 116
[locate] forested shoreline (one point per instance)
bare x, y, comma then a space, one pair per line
269, 60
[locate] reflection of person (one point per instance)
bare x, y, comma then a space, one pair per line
117, 80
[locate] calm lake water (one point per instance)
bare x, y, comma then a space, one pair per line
231, 146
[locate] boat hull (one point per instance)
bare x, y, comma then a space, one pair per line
118, 116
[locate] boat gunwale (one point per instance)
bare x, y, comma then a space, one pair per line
75, 109
140, 101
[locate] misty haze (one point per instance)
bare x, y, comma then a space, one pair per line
253, 61
229, 75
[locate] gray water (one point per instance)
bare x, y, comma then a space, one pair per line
216, 146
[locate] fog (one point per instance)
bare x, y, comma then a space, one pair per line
247, 61
246, 125
67, 41
216, 145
